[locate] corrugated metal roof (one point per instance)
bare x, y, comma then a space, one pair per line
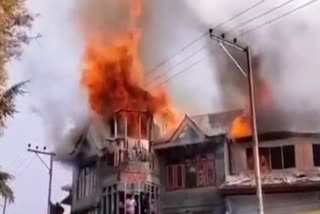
215, 123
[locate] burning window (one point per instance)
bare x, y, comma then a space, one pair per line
281, 157
264, 160
316, 154
129, 123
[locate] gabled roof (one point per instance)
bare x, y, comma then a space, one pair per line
95, 136
192, 128
204, 126
187, 126
215, 123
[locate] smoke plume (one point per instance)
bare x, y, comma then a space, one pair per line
288, 54
58, 98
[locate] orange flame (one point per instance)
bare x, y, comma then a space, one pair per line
113, 75
241, 125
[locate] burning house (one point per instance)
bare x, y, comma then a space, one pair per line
115, 167
191, 162
289, 165
138, 155
177, 172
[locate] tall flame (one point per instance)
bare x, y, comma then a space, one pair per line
241, 125
114, 76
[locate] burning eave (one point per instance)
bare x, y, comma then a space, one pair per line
277, 135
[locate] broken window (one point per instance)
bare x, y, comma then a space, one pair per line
281, 157
316, 154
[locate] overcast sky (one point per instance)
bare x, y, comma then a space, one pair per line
50, 57
52, 65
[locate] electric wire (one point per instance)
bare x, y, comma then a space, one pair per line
11, 164
203, 36
247, 32
180, 72
259, 16
24, 167
202, 48
277, 18
186, 69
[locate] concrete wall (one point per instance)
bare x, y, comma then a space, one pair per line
285, 203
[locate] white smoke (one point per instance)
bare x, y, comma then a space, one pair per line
288, 47
52, 64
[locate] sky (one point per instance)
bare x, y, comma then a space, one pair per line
53, 101
46, 62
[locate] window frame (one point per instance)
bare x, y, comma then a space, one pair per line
207, 162
313, 154
87, 181
269, 148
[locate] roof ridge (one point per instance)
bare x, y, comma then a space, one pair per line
215, 113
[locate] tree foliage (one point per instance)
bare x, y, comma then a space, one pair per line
15, 20
5, 189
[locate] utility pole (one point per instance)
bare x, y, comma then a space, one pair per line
4, 206
249, 74
50, 168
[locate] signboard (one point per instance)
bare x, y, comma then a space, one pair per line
134, 172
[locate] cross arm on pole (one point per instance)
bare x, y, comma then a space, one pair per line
42, 152
226, 42
222, 42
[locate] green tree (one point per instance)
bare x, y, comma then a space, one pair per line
15, 20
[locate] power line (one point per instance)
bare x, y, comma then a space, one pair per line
177, 53
21, 165
181, 71
26, 166
179, 63
14, 161
277, 18
260, 15
248, 31
204, 35
240, 14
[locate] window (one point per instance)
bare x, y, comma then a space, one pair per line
110, 159
87, 182
175, 176
94, 211
316, 154
191, 173
104, 201
281, 157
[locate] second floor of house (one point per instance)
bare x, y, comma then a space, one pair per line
288, 155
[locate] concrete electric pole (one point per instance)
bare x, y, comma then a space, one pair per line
50, 168
249, 74
4, 205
